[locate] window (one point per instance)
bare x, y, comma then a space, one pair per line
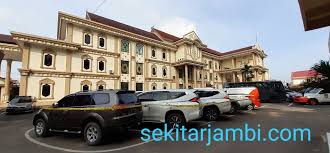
101, 98
164, 86
139, 49
66, 101
146, 97
164, 71
200, 75
164, 56
87, 39
202, 94
211, 76
45, 90
86, 63
210, 64
139, 86
82, 100
101, 65
124, 85
161, 95
86, 85
139, 68
124, 45
101, 42
127, 98
100, 85
153, 53
124, 67
154, 86
175, 95
154, 70
101, 62
48, 60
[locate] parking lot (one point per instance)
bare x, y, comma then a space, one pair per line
18, 136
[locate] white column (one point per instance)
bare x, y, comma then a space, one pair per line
7, 82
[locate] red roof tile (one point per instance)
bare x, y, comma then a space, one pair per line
304, 74
121, 26
237, 50
6, 39
165, 36
211, 51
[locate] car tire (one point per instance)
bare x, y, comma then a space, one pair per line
313, 102
93, 134
174, 119
250, 107
211, 113
40, 128
233, 109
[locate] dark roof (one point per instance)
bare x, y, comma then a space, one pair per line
237, 50
211, 51
7, 39
121, 26
165, 36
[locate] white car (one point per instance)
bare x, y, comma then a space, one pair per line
318, 95
242, 96
214, 102
170, 106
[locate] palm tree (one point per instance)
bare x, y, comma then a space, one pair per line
323, 67
247, 73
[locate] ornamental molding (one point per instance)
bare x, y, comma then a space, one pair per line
158, 79
113, 30
158, 61
28, 38
99, 52
9, 47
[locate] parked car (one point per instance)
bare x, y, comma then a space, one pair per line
245, 97
291, 94
92, 113
269, 91
20, 104
173, 107
314, 96
214, 102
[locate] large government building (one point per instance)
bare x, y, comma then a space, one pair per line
98, 53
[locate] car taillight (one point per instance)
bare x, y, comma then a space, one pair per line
226, 97
195, 99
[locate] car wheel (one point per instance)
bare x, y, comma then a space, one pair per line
250, 107
211, 113
313, 102
175, 120
233, 109
93, 134
40, 128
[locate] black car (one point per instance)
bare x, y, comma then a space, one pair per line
92, 113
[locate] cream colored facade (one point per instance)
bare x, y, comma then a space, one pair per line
53, 68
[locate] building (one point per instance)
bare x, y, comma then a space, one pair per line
99, 53
300, 77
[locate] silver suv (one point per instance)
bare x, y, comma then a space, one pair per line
173, 107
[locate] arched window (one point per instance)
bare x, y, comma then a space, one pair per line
101, 85
86, 85
101, 64
124, 45
164, 86
139, 49
87, 63
46, 88
48, 59
153, 53
164, 71
101, 42
153, 86
154, 70
87, 39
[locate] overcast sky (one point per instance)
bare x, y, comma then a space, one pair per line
221, 24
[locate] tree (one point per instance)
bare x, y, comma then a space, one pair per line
247, 73
323, 67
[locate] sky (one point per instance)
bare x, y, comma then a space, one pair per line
222, 25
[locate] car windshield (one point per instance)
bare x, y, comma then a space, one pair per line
316, 90
127, 98
14, 101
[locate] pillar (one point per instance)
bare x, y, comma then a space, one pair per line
186, 76
7, 81
202, 86
195, 76
234, 77
177, 77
